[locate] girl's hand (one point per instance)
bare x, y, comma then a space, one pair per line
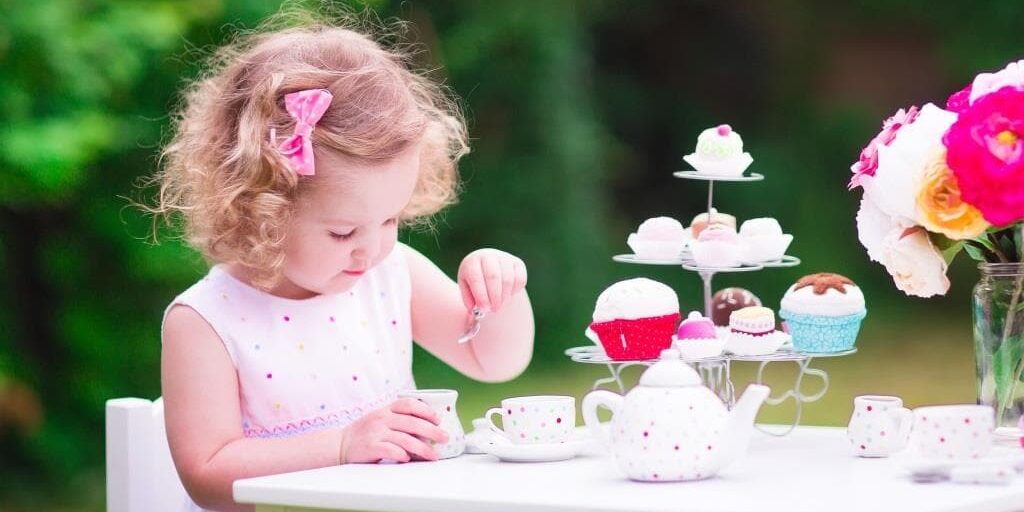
396, 432
488, 277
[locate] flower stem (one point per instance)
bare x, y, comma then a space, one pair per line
1011, 314
998, 251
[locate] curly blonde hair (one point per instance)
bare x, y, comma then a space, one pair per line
222, 176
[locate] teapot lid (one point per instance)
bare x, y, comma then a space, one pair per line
670, 372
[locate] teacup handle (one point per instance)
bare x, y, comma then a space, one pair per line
490, 422
594, 399
906, 418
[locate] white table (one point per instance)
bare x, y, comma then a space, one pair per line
811, 470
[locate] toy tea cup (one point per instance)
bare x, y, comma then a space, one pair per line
957, 432
442, 401
879, 425
535, 419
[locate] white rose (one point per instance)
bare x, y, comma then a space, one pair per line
902, 164
916, 266
1012, 75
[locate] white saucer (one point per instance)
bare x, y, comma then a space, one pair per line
547, 452
998, 455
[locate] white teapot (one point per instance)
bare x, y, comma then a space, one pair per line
671, 427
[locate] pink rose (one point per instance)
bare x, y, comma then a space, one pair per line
986, 152
960, 100
868, 162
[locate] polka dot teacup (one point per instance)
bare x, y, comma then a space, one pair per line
442, 401
953, 431
535, 419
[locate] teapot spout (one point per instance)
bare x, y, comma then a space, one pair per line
741, 422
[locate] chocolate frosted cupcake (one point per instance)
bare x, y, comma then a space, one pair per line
728, 300
823, 313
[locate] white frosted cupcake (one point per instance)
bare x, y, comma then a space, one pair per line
658, 238
635, 319
719, 153
717, 247
764, 239
823, 313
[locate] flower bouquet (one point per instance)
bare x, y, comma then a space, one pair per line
938, 182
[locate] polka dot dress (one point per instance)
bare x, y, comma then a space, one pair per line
317, 363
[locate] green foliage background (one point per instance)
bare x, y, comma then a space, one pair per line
579, 113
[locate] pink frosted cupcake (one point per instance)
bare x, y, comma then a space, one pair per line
718, 247
697, 338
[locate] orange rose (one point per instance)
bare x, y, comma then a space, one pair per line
941, 207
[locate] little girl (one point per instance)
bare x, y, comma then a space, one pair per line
294, 160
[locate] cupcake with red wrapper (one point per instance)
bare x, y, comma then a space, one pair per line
635, 319
752, 332
697, 338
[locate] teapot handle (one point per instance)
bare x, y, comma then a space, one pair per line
611, 401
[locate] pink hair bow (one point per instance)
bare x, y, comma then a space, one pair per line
306, 107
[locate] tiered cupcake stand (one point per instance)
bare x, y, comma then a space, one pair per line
717, 371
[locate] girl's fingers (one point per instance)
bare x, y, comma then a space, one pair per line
411, 445
467, 294
387, 450
520, 271
417, 427
508, 278
492, 277
477, 286
415, 408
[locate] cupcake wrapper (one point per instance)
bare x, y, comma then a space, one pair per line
823, 334
643, 338
743, 344
698, 348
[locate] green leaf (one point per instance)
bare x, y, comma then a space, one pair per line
949, 253
948, 247
1005, 363
974, 252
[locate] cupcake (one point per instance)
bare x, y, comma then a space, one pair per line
764, 239
752, 332
719, 153
727, 300
635, 319
697, 338
823, 313
658, 238
702, 221
717, 247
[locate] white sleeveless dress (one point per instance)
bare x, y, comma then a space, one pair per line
317, 363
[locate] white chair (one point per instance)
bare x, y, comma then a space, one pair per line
140, 473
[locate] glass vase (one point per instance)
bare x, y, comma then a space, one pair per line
999, 343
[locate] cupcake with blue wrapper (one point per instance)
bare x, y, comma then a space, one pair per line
823, 313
